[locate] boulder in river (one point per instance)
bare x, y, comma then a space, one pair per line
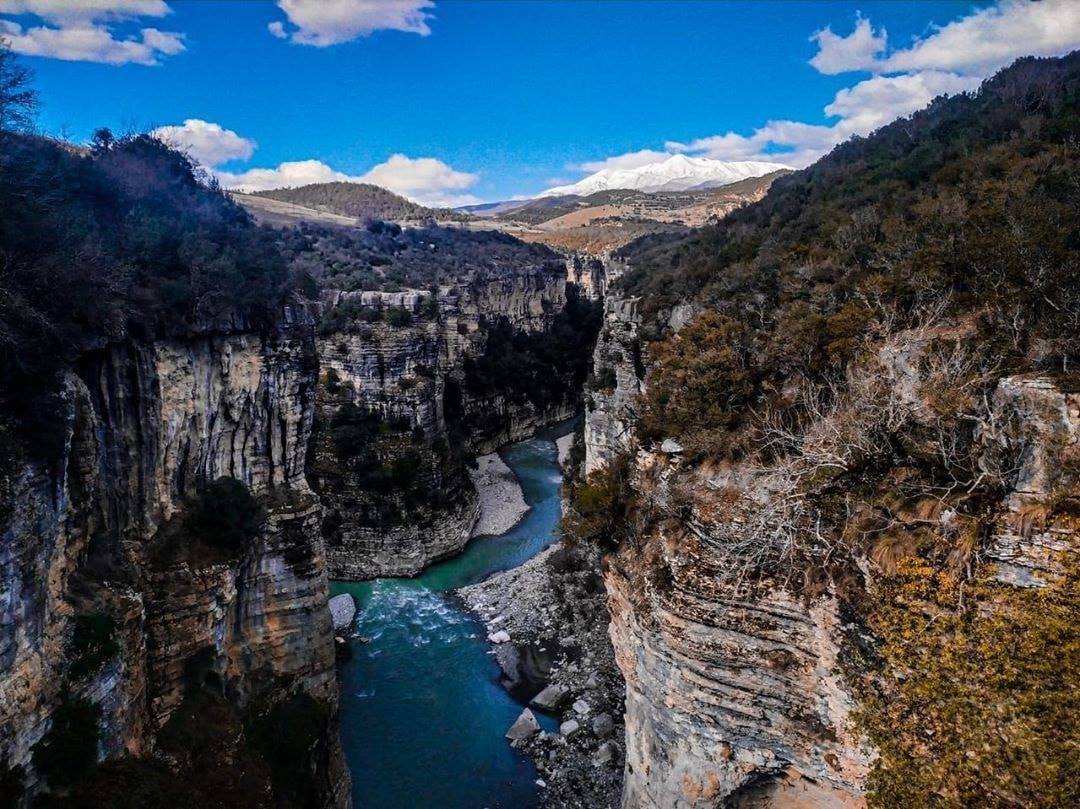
343, 611
551, 698
524, 727
502, 636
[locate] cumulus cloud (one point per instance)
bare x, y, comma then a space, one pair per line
978, 44
286, 175
837, 54
208, 143
950, 59
423, 179
329, 22
877, 101
84, 30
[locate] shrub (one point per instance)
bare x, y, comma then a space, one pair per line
599, 508
226, 516
699, 378
353, 431
981, 705
69, 750
397, 317
93, 642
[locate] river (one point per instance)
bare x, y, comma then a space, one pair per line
423, 715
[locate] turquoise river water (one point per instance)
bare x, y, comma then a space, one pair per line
423, 715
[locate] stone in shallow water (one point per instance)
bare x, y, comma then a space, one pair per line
524, 727
569, 728
342, 611
551, 698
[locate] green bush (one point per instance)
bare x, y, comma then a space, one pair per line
397, 317
699, 379
226, 516
93, 642
599, 508
69, 750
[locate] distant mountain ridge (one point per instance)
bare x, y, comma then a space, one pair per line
358, 200
677, 173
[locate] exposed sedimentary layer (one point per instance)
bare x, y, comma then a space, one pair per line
149, 424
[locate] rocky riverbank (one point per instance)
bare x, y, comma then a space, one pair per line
547, 621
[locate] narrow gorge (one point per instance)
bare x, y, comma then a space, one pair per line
757, 495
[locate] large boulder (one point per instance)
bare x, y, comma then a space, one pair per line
525, 727
552, 698
343, 611
603, 726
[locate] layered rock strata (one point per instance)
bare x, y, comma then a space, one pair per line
91, 532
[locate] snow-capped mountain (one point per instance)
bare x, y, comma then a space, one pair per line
676, 173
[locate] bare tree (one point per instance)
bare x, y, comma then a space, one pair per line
18, 100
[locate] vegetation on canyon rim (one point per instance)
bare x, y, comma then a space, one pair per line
851, 328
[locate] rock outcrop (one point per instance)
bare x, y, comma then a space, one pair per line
618, 373
727, 694
738, 692
95, 531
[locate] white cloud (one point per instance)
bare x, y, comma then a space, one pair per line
330, 22
837, 54
978, 44
286, 175
208, 143
83, 30
881, 99
424, 180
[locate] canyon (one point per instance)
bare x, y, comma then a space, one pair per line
799, 499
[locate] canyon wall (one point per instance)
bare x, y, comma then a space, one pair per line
406, 385
97, 533
745, 691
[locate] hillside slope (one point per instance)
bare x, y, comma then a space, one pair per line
361, 201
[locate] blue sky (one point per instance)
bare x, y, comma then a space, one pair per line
506, 98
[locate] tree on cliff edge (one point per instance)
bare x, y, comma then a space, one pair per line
18, 100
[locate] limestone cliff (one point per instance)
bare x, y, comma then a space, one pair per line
96, 534
400, 499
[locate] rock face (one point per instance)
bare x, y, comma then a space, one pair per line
411, 378
736, 694
724, 692
91, 533
1038, 423
618, 371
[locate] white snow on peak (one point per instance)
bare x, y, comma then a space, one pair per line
676, 173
